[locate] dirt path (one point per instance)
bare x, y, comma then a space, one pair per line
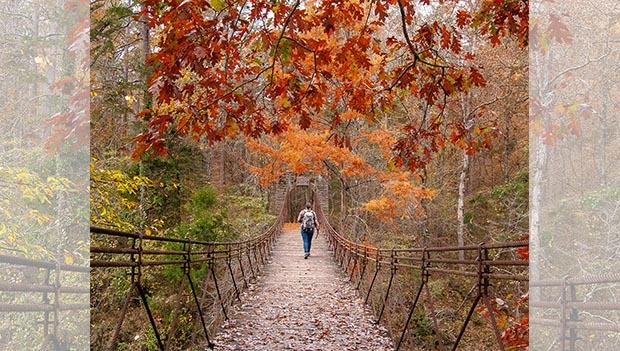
302, 305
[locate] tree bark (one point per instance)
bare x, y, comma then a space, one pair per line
146, 48
460, 211
540, 158
461, 204
507, 148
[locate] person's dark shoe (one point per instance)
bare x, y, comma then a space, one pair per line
306, 255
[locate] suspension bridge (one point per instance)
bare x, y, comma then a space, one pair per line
260, 294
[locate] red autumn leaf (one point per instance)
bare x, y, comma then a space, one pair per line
314, 57
558, 31
476, 77
456, 45
524, 253
446, 37
305, 121
462, 18
495, 40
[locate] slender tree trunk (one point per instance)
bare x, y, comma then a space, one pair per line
460, 211
35, 85
507, 148
343, 209
126, 75
604, 132
146, 48
424, 223
540, 158
461, 204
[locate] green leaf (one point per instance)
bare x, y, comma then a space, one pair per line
284, 50
286, 103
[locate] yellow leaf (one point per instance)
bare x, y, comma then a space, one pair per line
68, 259
217, 5
572, 108
501, 321
391, 166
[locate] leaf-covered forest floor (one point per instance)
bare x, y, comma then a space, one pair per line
302, 305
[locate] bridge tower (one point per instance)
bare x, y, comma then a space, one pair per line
301, 192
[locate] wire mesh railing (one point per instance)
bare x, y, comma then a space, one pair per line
486, 264
229, 266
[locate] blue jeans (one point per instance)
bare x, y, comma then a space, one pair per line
306, 235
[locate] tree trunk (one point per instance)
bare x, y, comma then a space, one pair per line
126, 75
604, 124
460, 211
342, 203
146, 47
507, 148
540, 158
461, 204
35, 84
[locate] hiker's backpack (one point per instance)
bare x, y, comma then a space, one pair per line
308, 220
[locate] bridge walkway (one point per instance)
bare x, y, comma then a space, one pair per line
302, 305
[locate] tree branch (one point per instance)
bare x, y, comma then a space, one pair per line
275, 51
416, 55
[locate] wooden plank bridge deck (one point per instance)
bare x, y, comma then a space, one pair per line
302, 305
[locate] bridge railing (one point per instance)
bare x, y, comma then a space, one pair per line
50, 289
576, 305
486, 264
230, 267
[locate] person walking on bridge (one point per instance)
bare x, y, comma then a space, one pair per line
309, 224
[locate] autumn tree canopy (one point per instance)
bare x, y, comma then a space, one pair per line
224, 68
